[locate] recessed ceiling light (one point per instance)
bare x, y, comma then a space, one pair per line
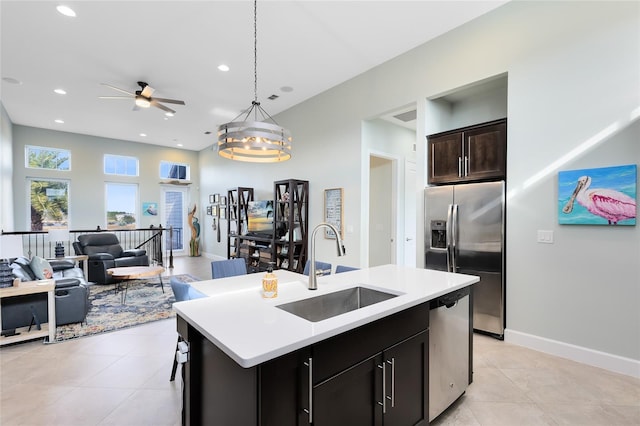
223, 67
143, 135
169, 114
66, 11
286, 89
11, 80
179, 144
59, 121
60, 91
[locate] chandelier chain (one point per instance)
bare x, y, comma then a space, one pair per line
255, 50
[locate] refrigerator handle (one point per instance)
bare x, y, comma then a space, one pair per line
449, 237
454, 238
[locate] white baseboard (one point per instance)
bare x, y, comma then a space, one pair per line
607, 361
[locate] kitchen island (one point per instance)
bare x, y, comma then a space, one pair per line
251, 362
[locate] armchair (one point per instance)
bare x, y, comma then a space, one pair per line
104, 251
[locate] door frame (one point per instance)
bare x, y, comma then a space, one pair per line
186, 196
396, 208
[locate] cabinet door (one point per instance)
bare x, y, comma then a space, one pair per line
283, 388
352, 397
406, 382
445, 156
485, 150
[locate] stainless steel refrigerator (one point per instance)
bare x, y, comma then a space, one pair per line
464, 233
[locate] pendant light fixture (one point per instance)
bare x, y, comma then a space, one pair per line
258, 138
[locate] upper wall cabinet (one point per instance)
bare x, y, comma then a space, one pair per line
468, 154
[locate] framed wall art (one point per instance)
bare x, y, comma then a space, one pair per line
333, 214
599, 196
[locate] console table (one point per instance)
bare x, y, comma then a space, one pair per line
30, 287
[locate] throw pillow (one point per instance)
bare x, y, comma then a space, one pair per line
41, 268
22, 269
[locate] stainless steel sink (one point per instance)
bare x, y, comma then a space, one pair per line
329, 305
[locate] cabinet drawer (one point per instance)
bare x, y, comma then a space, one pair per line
340, 352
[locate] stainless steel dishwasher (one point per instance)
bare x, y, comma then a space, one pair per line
449, 350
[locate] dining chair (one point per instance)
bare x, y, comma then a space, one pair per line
343, 268
181, 291
323, 267
228, 268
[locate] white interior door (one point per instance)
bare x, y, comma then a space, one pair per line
410, 219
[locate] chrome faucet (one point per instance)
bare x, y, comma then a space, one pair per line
313, 282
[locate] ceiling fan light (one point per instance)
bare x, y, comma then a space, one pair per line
142, 102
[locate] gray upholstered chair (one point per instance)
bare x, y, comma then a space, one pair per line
343, 268
228, 268
322, 268
181, 291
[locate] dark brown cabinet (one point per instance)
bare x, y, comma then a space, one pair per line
468, 154
376, 374
387, 389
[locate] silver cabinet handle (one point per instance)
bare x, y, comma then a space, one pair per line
466, 165
383, 366
310, 410
459, 166
393, 382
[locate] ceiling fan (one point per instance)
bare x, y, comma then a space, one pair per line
143, 98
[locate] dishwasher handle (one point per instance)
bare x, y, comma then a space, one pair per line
450, 300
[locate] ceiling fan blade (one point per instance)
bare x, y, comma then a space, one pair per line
115, 97
118, 89
147, 91
156, 104
169, 101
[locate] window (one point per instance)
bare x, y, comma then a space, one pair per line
122, 205
120, 165
49, 202
37, 157
169, 170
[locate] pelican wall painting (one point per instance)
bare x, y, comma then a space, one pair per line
601, 196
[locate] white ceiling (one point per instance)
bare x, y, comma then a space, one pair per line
176, 47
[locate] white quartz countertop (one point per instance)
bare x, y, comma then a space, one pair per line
252, 330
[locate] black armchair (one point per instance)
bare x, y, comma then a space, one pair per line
104, 251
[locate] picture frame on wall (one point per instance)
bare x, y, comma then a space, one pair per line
210, 210
216, 199
214, 210
333, 212
222, 212
598, 196
211, 199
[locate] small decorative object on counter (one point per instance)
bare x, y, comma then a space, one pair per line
270, 283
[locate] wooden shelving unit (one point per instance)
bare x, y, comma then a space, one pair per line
291, 224
236, 212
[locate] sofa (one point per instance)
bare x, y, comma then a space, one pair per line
71, 294
104, 252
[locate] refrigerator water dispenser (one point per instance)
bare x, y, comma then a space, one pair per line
439, 234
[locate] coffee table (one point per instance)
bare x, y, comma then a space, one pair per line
127, 273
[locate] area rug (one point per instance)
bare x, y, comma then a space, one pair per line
145, 303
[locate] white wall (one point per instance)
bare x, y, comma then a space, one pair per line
6, 172
573, 70
87, 187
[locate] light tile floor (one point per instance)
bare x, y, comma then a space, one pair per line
122, 378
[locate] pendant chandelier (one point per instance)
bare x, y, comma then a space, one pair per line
257, 138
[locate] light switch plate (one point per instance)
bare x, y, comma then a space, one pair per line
545, 237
